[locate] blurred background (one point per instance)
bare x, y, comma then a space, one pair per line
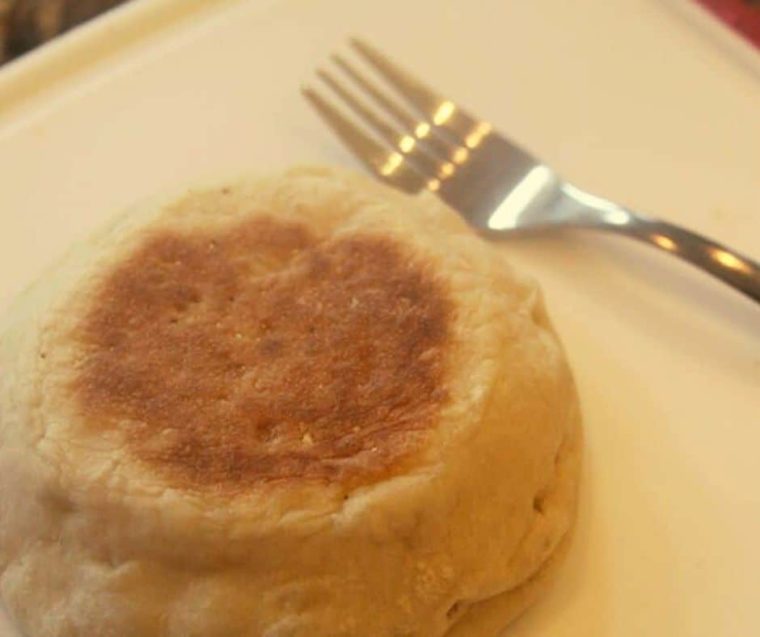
24, 24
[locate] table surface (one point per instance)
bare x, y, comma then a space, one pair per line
26, 24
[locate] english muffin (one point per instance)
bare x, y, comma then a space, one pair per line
297, 406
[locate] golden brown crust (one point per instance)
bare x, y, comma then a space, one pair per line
260, 353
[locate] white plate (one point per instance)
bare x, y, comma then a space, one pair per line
626, 97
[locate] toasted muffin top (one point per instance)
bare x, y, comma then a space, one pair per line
261, 352
301, 404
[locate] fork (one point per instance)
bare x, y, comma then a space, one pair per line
430, 143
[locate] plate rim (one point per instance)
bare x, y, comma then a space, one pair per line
51, 65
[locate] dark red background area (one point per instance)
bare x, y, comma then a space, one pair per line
741, 15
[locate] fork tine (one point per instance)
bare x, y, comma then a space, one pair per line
420, 128
403, 118
437, 108
383, 128
389, 165
403, 142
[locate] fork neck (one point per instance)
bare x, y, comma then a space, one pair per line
725, 264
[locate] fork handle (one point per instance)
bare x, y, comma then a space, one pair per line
731, 267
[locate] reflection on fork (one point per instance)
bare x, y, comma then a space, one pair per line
415, 139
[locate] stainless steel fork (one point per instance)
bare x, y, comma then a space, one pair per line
497, 186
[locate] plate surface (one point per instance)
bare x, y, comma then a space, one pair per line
626, 97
